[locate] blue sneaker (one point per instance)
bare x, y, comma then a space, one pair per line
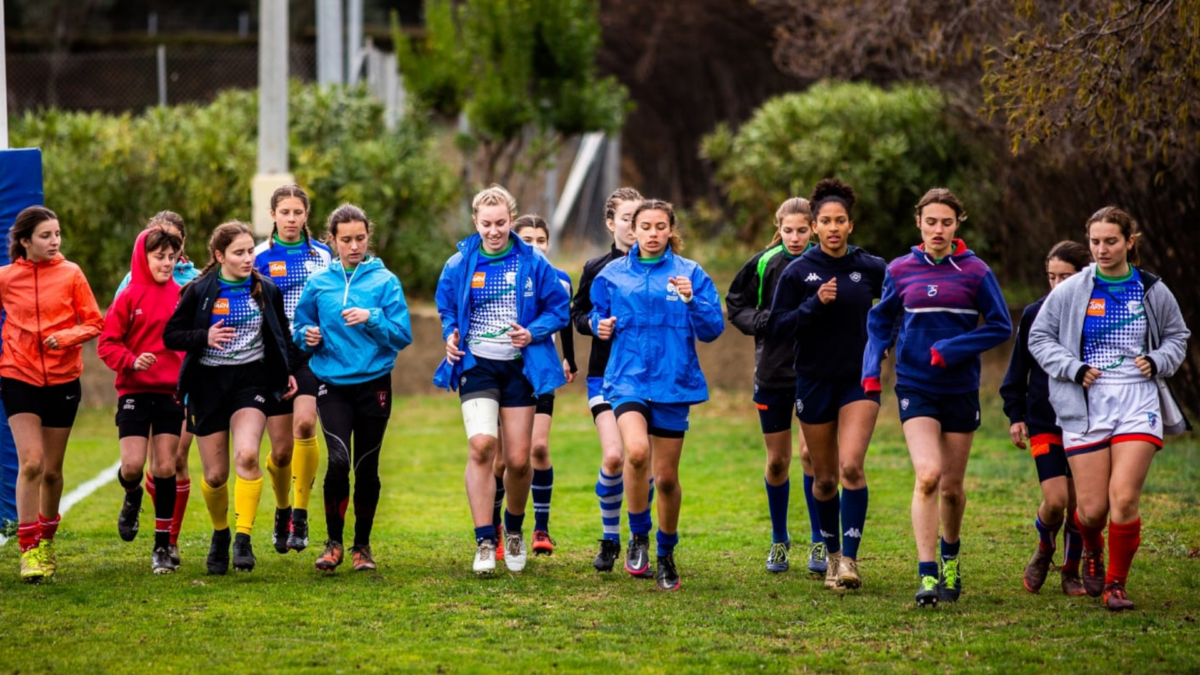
777, 559
818, 558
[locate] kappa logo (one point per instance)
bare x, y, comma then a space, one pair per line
904, 404
221, 307
278, 268
129, 404
1096, 307
479, 280
259, 399
825, 534
137, 312
382, 396
322, 390
856, 277
931, 290
1153, 418
853, 533
812, 276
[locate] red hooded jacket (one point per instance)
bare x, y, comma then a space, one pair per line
134, 326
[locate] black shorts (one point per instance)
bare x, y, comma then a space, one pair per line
958, 413
56, 404
774, 409
818, 401
502, 381
145, 414
545, 405
372, 398
306, 385
223, 390
1046, 447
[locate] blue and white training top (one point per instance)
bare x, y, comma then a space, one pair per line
1114, 330
238, 310
494, 306
289, 265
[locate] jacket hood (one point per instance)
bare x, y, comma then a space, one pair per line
140, 275
960, 252
184, 266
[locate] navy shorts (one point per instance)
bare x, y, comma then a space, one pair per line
1046, 446
958, 413
306, 385
665, 420
596, 401
774, 409
502, 381
55, 405
818, 401
145, 413
223, 390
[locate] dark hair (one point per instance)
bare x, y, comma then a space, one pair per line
160, 238
283, 192
796, 206
531, 220
222, 236
943, 196
625, 194
674, 241
174, 220
1073, 253
1129, 228
22, 228
831, 190
346, 213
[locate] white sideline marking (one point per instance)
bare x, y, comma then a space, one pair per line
82, 492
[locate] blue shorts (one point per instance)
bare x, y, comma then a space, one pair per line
502, 381
596, 401
774, 409
818, 401
665, 420
958, 413
1046, 446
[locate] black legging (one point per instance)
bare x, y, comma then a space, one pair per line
339, 420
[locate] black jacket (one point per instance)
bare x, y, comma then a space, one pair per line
187, 331
582, 306
748, 304
1026, 387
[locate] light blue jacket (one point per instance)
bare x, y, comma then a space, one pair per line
654, 346
183, 272
353, 354
543, 307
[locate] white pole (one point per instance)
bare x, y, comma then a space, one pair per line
3, 86
329, 42
162, 75
272, 110
354, 40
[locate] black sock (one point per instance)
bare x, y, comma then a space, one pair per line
129, 485
164, 510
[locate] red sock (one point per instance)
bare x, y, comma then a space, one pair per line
49, 527
1123, 541
183, 488
150, 488
28, 535
1093, 537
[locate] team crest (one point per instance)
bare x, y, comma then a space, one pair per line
382, 396
856, 277
799, 406
1135, 308
904, 404
1153, 420
931, 290
672, 292
529, 286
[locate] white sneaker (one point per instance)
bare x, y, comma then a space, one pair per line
515, 554
485, 558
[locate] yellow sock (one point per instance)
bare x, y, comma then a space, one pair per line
306, 455
246, 495
281, 482
217, 501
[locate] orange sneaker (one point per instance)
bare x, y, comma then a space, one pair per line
500, 538
542, 543
362, 559
329, 560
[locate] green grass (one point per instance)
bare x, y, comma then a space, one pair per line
425, 612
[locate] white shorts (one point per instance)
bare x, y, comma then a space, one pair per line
1118, 413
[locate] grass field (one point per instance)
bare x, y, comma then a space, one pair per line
424, 611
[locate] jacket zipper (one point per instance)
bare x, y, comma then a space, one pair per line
37, 303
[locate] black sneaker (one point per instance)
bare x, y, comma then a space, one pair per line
243, 554
218, 552
127, 521
927, 592
298, 537
668, 576
950, 583
637, 557
283, 528
160, 561
173, 551
606, 558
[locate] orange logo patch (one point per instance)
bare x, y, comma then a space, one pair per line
221, 307
278, 268
1096, 307
478, 280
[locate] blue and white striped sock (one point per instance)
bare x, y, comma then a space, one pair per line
611, 491
499, 503
543, 486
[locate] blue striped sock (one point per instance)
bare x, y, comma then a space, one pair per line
777, 504
543, 486
814, 522
499, 502
639, 523
610, 490
854, 518
1046, 535
667, 542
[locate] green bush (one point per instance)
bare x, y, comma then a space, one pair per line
890, 145
105, 175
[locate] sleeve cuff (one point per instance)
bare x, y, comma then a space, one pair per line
1079, 374
871, 385
1153, 366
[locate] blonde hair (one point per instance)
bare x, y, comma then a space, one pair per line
796, 206
494, 195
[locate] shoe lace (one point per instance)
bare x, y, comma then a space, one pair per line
1091, 562
818, 552
950, 572
779, 553
929, 583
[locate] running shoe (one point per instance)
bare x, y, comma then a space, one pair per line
173, 551
668, 576
362, 559
485, 557
160, 561
243, 553
1037, 569
297, 539
515, 555
1072, 585
818, 558
32, 570
218, 552
950, 585
542, 543
283, 528
847, 573
777, 559
637, 557
499, 538
831, 571
606, 557
1092, 566
927, 592
331, 557
127, 520
1115, 598
49, 557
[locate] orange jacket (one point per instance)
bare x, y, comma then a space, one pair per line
40, 300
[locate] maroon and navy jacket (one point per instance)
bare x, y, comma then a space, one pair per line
939, 304
1026, 387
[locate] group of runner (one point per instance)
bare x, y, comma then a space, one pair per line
271, 337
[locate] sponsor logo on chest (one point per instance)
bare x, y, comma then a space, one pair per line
278, 268
221, 307
1095, 307
479, 280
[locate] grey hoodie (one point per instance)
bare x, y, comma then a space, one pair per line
1056, 342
